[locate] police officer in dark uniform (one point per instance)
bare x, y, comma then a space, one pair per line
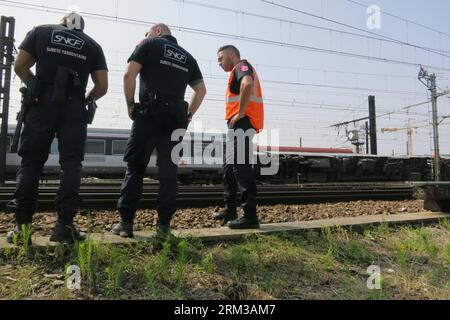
165, 69
65, 57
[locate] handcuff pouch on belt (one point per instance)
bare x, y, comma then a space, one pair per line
171, 109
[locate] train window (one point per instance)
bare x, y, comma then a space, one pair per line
54, 147
118, 147
95, 146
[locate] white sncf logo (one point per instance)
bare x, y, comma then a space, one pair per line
174, 53
68, 40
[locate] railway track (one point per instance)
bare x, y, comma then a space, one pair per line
105, 195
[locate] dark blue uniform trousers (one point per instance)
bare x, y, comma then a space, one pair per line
237, 171
146, 136
45, 121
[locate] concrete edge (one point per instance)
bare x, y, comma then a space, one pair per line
225, 234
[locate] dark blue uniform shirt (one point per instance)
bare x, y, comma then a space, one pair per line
167, 69
55, 45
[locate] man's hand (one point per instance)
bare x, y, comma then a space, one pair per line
91, 108
189, 118
236, 119
131, 111
129, 84
136, 110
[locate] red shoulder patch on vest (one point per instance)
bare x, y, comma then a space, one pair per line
244, 68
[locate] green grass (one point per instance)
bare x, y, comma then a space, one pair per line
115, 273
447, 253
86, 258
445, 224
331, 264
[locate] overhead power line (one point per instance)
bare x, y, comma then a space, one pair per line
403, 19
348, 25
218, 34
292, 22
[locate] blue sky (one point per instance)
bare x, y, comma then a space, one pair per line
306, 90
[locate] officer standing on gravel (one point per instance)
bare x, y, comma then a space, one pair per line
244, 112
165, 69
65, 57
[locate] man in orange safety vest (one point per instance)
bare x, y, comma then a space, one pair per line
245, 118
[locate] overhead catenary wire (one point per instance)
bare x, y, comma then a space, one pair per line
292, 22
221, 35
403, 19
273, 3
285, 86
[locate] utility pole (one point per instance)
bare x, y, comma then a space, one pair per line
373, 126
410, 139
367, 137
429, 80
6, 61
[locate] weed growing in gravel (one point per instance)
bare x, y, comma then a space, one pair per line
60, 251
8, 253
150, 274
447, 254
164, 260
352, 251
208, 263
329, 237
240, 259
86, 260
428, 245
382, 230
445, 224
182, 261
328, 258
24, 243
115, 273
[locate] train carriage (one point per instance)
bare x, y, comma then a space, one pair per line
201, 161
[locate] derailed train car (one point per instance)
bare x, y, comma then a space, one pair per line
301, 167
105, 149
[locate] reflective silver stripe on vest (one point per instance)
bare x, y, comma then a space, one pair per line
233, 99
238, 98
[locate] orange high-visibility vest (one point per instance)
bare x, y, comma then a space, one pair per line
255, 108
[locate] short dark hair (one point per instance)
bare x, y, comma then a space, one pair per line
230, 48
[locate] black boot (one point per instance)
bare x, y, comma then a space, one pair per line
226, 215
164, 235
163, 228
65, 231
246, 222
17, 237
123, 229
